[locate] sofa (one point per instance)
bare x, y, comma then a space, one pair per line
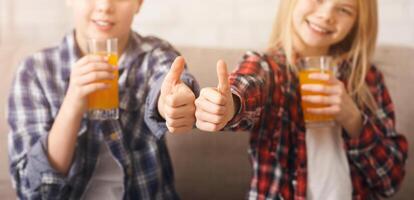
215, 165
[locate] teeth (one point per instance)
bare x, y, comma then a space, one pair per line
318, 28
102, 23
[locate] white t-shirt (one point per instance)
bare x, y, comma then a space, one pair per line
329, 175
107, 181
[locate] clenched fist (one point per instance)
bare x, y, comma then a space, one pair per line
176, 102
215, 106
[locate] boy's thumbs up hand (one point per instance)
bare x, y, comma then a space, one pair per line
215, 106
176, 102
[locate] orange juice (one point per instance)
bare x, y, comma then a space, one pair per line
304, 79
108, 98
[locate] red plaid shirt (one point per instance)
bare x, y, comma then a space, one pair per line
273, 114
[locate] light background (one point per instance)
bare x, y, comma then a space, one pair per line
213, 23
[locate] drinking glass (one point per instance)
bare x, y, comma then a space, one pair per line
309, 65
103, 104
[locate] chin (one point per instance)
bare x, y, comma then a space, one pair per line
315, 44
101, 36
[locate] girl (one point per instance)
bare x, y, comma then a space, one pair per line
361, 156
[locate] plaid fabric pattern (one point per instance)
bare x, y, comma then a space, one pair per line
277, 141
135, 140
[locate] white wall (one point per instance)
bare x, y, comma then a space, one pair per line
213, 23
33, 21
247, 23
397, 22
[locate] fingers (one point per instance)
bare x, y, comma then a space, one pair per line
330, 99
91, 73
87, 75
333, 103
91, 59
330, 110
329, 84
319, 76
214, 96
213, 109
179, 123
183, 123
206, 116
327, 94
208, 126
222, 74
181, 96
179, 112
93, 67
208, 106
328, 77
94, 77
180, 119
87, 89
320, 99
178, 109
325, 89
177, 68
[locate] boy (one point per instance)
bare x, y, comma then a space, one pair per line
57, 153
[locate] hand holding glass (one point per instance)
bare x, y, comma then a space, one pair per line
103, 104
309, 65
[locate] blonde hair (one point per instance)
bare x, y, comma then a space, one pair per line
358, 46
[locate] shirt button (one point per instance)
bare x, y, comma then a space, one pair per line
294, 182
114, 136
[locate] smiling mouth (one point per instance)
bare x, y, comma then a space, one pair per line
318, 29
103, 23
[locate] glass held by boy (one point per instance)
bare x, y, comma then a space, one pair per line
103, 104
290, 159
57, 152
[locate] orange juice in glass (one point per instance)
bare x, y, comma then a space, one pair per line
309, 65
103, 104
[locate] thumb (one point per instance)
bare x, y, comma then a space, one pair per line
173, 76
222, 74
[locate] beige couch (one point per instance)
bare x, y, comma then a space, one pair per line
215, 166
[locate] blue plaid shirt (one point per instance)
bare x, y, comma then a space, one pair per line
136, 140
